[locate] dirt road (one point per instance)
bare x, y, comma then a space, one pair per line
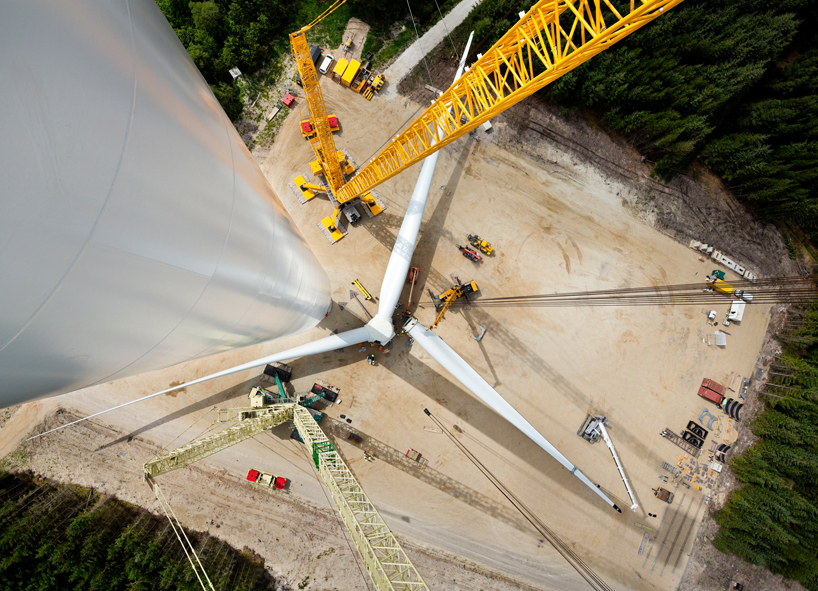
430, 39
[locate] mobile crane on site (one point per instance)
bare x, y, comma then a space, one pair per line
382, 555
551, 39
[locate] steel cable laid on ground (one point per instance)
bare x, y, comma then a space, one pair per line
585, 571
777, 290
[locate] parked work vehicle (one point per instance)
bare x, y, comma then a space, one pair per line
267, 480
663, 495
326, 64
470, 253
465, 289
722, 286
478, 242
374, 87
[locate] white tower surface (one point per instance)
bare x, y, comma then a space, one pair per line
136, 231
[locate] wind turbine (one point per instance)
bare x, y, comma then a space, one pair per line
380, 329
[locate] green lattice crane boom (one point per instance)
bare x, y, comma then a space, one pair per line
382, 554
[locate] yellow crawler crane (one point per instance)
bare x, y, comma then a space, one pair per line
323, 145
551, 39
448, 297
330, 162
386, 562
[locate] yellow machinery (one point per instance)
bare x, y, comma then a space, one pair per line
449, 296
554, 37
478, 242
340, 67
376, 86
323, 145
308, 130
350, 72
384, 558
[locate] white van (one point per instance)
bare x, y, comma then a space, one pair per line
326, 64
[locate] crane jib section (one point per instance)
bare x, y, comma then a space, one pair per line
551, 39
324, 145
385, 561
198, 449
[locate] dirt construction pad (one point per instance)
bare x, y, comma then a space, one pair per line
556, 228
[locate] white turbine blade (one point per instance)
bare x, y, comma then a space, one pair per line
446, 356
398, 267
330, 343
401, 258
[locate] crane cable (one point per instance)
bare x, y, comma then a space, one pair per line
776, 290
443, 20
160, 496
420, 45
573, 559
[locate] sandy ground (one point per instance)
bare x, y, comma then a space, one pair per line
557, 227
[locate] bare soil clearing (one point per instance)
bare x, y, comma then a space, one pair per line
558, 224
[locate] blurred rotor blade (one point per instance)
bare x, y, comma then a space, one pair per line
465, 374
330, 343
398, 267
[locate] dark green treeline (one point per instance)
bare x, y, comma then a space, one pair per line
67, 537
773, 518
254, 34
732, 84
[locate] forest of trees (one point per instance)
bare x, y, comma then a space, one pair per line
252, 34
59, 537
732, 84
773, 518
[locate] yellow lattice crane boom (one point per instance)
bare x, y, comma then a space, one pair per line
552, 38
323, 144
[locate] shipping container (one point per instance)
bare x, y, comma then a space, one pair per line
713, 397
715, 386
349, 73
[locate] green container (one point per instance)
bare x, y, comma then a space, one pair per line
718, 274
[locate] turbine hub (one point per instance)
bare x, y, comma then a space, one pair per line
380, 330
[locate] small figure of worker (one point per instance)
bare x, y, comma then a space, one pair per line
371, 359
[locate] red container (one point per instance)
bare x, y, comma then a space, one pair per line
713, 397
252, 475
711, 385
